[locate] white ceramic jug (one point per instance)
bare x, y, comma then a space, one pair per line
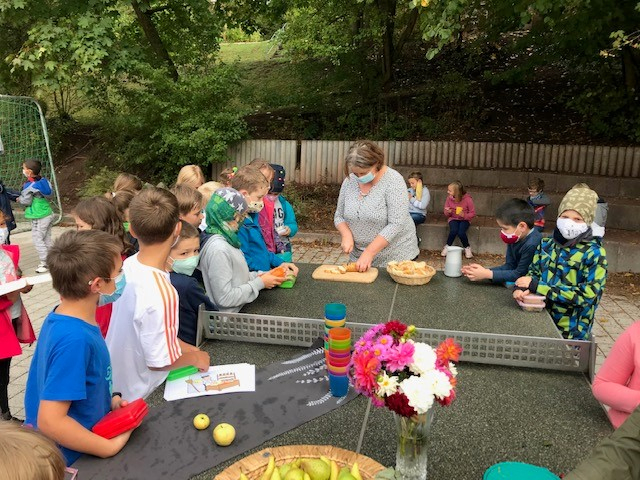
453, 263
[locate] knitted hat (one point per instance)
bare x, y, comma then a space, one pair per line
581, 199
277, 184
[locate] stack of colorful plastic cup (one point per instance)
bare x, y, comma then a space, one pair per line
335, 316
338, 358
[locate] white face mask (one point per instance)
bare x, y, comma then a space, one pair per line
4, 234
570, 229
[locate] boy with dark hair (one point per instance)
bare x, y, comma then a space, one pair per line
569, 268
69, 383
515, 219
142, 337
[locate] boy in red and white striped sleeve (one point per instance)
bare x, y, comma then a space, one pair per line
143, 334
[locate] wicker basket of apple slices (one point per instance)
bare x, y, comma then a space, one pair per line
253, 467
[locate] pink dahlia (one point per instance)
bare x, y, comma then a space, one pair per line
399, 356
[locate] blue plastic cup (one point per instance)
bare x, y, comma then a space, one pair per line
338, 384
335, 311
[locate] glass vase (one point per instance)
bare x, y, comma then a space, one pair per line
411, 455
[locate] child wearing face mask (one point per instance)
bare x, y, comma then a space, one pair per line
569, 268
181, 263
515, 218
460, 210
227, 278
253, 186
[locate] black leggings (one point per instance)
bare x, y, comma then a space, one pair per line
5, 364
458, 228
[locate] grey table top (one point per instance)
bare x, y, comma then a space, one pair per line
444, 303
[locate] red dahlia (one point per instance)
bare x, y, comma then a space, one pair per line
399, 403
394, 327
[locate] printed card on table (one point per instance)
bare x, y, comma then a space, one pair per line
239, 377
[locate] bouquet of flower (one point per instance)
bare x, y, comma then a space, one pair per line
403, 375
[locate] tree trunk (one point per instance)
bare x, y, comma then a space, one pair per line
408, 30
153, 37
630, 69
388, 50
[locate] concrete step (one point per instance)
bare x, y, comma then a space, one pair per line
624, 213
616, 187
484, 237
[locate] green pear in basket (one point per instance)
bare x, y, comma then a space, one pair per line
316, 468
294, 473
345, 474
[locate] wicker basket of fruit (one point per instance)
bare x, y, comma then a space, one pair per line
410, 272
320, 459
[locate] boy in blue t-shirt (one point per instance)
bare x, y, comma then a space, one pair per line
69, 383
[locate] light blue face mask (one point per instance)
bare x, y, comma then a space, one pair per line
185, 266
368, 178
121, 282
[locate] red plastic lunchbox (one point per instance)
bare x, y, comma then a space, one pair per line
122, 420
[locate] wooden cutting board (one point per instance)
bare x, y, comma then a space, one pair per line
366, 277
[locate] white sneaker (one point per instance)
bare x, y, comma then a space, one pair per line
443, 253
42, 268
467, 252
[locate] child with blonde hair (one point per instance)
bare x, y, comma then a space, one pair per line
26, 454
460, 210
190, 175
207, 189
419, 198
226, 176
127, 181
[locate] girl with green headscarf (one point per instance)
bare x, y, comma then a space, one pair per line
227, 278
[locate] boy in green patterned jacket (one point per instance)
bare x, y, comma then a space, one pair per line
569, 268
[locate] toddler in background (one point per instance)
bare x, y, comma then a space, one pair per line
539, 201
277, 219
181, 264
189, 204
459, 210
15, 325
26, 454
226, 176
190, 175
34, 195
121, 200
98, 213
4, 229
419, 198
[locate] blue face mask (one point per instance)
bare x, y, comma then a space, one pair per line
185, 266
121, 282
368, 178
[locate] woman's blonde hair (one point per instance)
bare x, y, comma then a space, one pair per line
190, 175
364, 154
26, 454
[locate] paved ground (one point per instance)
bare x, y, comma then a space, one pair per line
614, 314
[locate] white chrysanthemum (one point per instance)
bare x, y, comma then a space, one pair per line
418, 392
453, 369
438, 383
387, 385
424, 359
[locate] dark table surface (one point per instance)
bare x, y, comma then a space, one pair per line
444, 303
500, 414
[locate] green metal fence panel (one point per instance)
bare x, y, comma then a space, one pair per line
23, 135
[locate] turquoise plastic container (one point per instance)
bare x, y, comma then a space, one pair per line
518, 471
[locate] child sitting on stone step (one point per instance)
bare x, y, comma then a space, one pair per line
460, 210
